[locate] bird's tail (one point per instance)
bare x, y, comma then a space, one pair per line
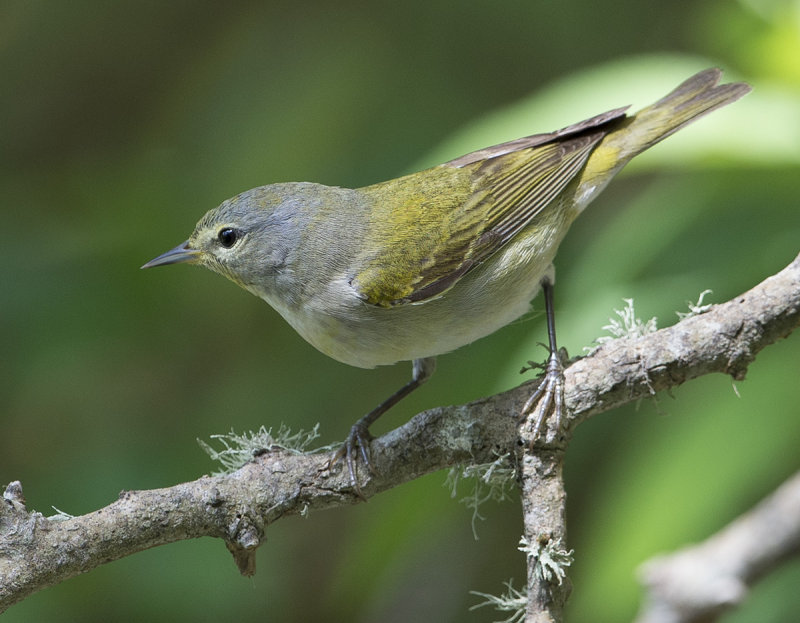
694, 98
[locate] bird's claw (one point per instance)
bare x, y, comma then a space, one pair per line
547, 399
355, 445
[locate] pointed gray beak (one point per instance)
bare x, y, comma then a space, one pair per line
181, 253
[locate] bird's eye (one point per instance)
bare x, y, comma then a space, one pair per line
228, 237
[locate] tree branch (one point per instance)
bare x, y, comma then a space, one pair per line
36, 552
701, 582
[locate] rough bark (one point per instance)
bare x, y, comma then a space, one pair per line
36, 552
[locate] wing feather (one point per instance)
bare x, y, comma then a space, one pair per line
435, 226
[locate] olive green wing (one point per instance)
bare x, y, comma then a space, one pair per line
433, 227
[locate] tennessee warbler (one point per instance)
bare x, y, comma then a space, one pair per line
408, 269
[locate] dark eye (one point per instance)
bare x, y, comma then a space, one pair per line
228, 237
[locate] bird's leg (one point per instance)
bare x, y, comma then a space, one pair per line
549, 396
357, 442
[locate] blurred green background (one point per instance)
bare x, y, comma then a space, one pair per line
122, 122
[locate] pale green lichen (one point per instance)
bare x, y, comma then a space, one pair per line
490, 481
60, 515
513, 601
696, 309
549, 558
628, 325
239, 449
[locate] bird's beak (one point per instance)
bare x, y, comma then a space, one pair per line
178, 255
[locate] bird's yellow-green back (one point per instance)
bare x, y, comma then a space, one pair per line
431, 228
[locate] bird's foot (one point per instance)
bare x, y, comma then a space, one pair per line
355, 446
548, 399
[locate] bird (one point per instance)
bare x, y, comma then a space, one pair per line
417, 266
